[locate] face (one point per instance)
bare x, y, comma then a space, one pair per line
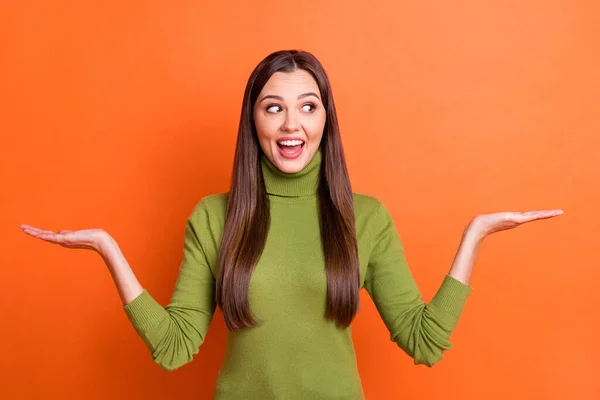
289, 118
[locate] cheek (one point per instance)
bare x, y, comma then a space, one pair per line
266, 128
314, 128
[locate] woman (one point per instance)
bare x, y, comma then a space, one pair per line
285, 252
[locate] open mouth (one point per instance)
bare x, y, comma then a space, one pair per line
290, 148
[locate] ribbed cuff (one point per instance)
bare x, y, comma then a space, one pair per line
144, 312
451, 296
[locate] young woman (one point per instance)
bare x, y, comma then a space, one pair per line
285, 253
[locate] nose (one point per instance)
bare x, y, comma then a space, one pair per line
291, 123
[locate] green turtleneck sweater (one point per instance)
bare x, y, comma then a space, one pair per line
295, 352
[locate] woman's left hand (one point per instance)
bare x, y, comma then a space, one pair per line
482, 226
486, 224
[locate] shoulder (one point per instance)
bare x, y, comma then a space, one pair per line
212, 207
214, 202
372, 215
366, 205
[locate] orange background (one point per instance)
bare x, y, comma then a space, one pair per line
123, 115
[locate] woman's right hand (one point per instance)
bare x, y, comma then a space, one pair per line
92, 239
102, 243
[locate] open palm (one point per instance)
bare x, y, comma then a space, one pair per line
490, 223
83, 239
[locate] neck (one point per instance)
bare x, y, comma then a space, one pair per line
302, 183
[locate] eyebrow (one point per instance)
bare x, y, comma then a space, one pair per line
302, 96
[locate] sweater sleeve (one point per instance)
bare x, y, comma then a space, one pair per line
174, 333
422, 330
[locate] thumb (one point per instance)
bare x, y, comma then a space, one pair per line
65, 231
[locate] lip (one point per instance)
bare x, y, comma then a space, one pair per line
294, 155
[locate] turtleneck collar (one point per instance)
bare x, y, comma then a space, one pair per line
302, 183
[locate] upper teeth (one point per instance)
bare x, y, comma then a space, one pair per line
291, 142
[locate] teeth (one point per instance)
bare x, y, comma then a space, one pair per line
291, 142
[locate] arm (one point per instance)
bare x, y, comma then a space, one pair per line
125, 280
174, 333
464, 260
423, 330
419, 329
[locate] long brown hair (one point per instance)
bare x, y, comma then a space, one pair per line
247, 222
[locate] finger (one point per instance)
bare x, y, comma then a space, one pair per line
48, 232
59, 238
521, 218
32, 231
543, 214
557, 211
37, 232
33, 228
29, 228
50, 237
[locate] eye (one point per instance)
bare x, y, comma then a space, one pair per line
309, 107
273, 108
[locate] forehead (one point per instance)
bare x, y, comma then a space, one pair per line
290, 83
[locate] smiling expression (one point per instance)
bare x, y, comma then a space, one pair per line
289, 118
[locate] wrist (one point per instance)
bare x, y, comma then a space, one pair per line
105, 244
474, 232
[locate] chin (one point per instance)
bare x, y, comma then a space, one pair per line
290, 166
